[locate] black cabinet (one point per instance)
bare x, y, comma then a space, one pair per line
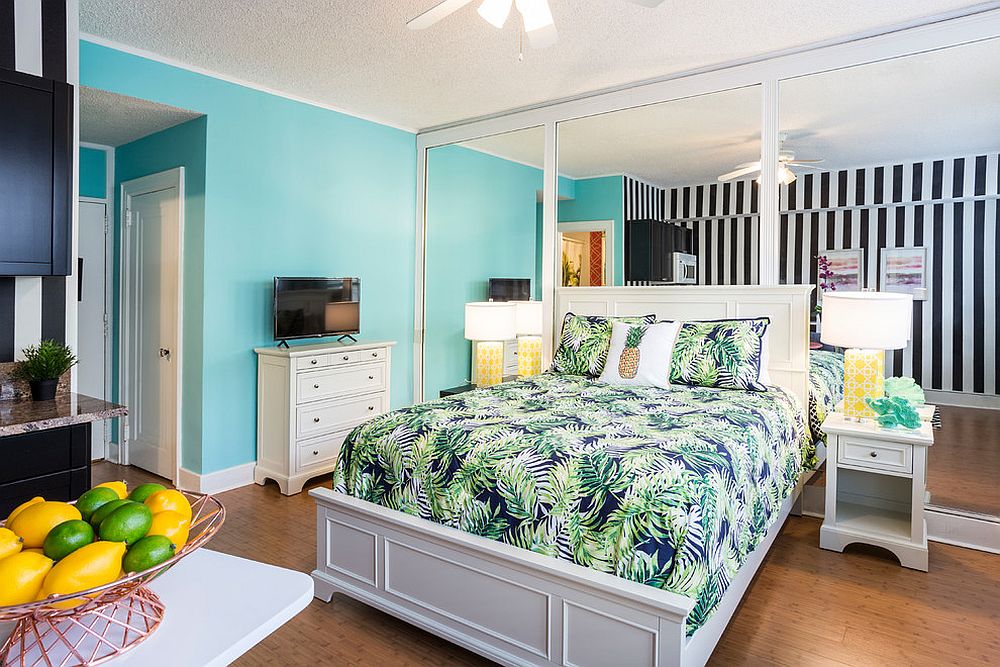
36, 162
649, 248
54, 464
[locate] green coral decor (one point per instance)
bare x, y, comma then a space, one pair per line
905, 388
894, 412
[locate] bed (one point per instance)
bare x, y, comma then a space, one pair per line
559, 520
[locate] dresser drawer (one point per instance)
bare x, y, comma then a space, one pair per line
875, 454
333, 382
330, 416
321, 452
312, 361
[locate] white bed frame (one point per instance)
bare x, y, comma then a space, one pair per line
521, 608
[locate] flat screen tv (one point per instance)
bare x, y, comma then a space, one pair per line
315, 307
510, 289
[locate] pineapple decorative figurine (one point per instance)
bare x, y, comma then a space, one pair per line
628, 363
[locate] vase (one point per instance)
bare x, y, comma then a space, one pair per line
43, 390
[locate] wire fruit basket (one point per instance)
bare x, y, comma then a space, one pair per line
115, 617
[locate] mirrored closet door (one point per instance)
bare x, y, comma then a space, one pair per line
483, 242
905, 199
661, 194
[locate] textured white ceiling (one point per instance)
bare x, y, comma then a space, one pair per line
111, 119
934, 104
359, 56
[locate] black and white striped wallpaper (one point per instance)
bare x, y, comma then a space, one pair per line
33, 40
947, 205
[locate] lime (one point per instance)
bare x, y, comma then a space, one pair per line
128, 523
91, 500
67, 537
148, 552
104, 510
143, 491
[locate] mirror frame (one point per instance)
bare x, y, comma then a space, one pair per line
930, 33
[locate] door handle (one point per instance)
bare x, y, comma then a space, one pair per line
164, 353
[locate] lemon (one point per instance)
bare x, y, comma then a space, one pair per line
171, 525
10, 543
90, 501
22, 507
92, 565
34, 522
143, 491
21, 577
169, 500
117, 487
129, 524
67, 537
148, 552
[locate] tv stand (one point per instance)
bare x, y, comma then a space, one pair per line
348, 336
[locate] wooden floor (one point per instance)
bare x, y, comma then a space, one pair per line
963, 468
806, 606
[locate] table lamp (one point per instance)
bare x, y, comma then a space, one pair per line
865, 324
528, 327
488, 325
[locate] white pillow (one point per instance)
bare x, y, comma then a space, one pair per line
647, 365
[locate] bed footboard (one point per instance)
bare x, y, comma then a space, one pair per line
510, 605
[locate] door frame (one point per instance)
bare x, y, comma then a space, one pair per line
171, 178
606, 226
108, 300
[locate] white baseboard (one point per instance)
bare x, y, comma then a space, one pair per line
961, 399
217, 482
963, 529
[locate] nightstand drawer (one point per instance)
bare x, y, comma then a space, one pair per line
877, 455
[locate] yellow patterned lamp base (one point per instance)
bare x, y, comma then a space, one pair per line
489, 364
864, 377
529, 355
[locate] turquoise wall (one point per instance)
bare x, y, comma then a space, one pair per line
290, 189
480, 224
600, 199
183, 145
93, 173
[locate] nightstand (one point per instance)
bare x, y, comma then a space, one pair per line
875, 485
462, 388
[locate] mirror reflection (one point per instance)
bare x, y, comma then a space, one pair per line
483, 243
662, 194
906, 200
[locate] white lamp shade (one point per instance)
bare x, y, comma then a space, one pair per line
490, 321
528, 320
867, 320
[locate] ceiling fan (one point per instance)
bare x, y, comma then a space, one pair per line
786, 160
536, 15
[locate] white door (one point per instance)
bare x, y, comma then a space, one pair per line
151, 256
92, 272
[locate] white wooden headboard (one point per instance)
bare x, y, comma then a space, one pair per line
786, 305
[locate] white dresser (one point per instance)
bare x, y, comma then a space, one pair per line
309, 397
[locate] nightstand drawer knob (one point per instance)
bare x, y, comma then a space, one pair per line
313, 362
315, 452
371, 407
374, 354
316, 419
346, 357
371, 377
315, 386
874, 455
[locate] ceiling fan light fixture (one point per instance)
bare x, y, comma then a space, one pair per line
536, 14
495, 12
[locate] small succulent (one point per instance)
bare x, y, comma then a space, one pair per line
894, 412
45, 361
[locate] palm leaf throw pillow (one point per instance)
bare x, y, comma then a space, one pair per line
583, 347
728, 354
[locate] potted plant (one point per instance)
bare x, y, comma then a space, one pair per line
42, 366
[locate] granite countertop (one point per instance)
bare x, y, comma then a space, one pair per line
25, 416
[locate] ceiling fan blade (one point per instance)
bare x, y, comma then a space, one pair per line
755, 163
436, 13
538, 23
802, 166
736, 173
647, 3
803, 161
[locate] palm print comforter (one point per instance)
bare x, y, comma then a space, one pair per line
826, 390
670, 488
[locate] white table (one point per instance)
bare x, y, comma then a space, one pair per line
217, 608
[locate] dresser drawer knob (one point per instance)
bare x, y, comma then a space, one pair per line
315, 452
316, 419
313, 362
374, 354
371, 377
371, 407
874, 455
315, 386
346, 357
